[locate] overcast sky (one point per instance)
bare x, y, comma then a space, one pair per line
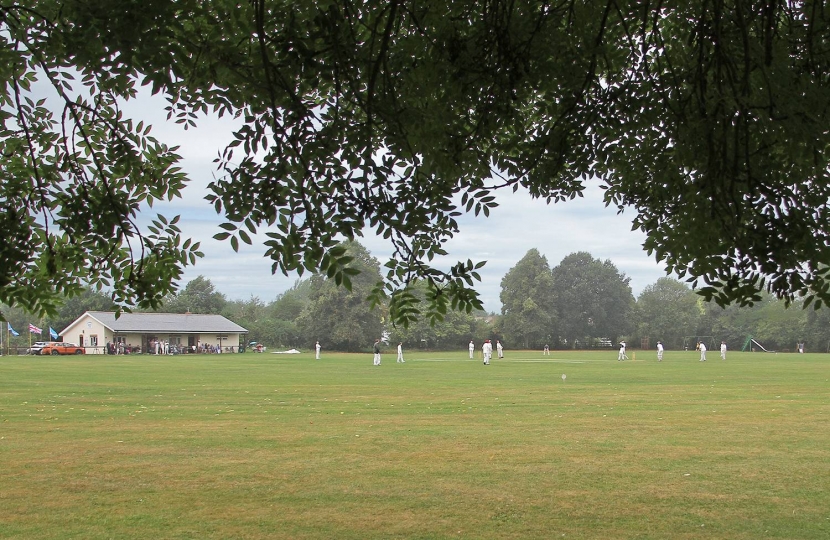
516, 226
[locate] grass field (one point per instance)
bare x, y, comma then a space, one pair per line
255, 446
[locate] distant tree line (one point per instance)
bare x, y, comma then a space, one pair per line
585, 302
581, 303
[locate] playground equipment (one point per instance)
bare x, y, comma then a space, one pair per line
750, 341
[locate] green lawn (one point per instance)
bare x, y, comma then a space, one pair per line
283, 446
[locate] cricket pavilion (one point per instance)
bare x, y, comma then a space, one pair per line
99, 332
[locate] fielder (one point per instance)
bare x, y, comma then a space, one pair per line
487, 351
376, 351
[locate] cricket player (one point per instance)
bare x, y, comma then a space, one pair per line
622, 355
487, 351
376, 351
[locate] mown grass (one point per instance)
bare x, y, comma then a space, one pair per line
282, 446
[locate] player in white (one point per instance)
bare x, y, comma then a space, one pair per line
487, 351
723, 350
317, 350
499, 349
546, 351
702, 349
376, 353
622, 355
400, 353
472, 349
659, 351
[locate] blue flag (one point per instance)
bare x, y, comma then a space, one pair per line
14, 332
53, 333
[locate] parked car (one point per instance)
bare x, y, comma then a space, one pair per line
55, 348
36, 347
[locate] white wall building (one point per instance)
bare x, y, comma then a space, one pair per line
140, 332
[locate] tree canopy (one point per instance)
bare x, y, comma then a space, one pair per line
454, 331
342, 319
198, 296
668, 311
591, 297
709, 119
527, 296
